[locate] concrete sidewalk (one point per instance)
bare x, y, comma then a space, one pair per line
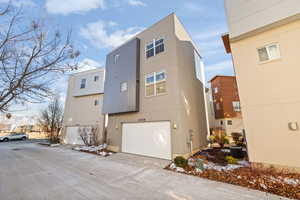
34, 172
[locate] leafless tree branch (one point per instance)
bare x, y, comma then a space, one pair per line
30, 57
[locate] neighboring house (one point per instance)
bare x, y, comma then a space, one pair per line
226, 104
264, 42
155, 93
83, 104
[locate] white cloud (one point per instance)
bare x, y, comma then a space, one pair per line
87, 64
136, 3
105, 35
19, 3
66, 7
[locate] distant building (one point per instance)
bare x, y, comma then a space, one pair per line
83, 104
226, 104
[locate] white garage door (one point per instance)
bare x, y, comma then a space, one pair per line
148, 139
72, 136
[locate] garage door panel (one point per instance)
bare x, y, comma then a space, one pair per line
148, 139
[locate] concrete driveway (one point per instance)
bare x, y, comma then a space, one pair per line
29, 171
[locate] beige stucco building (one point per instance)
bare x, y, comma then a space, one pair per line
163, 111
264, 41
83, 104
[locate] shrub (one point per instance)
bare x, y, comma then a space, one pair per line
237, 138
231, 160
181, 162
211, 139
219, 138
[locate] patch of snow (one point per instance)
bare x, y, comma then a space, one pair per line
91, 148
244, 163
179, 169
263, 186
291, 181
229, 167
172, 166
225, 150
103, 153
199, 170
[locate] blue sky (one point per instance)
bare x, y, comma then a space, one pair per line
100, 25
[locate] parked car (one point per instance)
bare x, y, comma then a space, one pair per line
14, 136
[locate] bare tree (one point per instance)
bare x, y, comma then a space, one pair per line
90, 135
51, 120
31, 58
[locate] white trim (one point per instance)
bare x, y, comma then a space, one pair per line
268, 52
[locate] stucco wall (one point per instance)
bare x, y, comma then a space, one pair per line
270, 96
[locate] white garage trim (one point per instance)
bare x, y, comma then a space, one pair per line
72, 136
148, 138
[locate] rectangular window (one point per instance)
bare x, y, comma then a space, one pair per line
236, 106
96, 78
96, 102
217, 106
116, 58
124, 87
229, 122
159, 46
83, 83
155, 47
269, 52
199, 67
155, 83
216, 90
161, 88
150, 79
150, 50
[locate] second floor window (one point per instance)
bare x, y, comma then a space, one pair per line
155, 83
82, 83
96, 78
155, 47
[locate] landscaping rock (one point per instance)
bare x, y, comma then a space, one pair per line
191, 162
199, 164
